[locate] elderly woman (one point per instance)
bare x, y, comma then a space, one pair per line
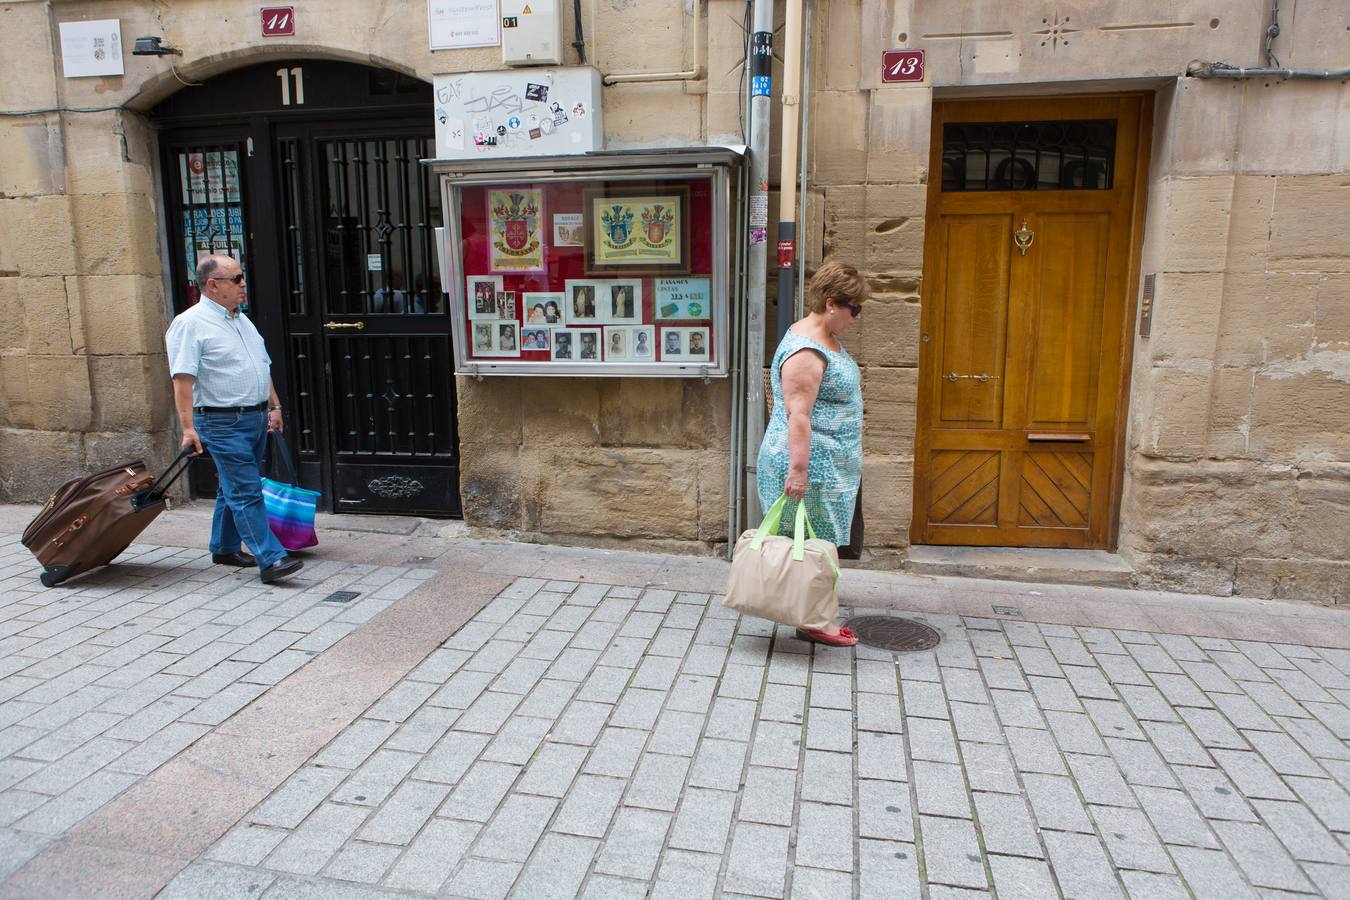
812, 449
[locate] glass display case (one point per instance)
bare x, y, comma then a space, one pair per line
613, 263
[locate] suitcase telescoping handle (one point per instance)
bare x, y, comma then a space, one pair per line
155, 493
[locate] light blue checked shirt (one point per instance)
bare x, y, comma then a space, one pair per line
224, 353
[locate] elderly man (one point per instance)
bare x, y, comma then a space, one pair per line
222, 387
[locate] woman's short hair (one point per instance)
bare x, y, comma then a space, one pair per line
837, 281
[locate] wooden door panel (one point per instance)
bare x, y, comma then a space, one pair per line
1066, 324
967, 488
974, 331
1051, 494
1025, 453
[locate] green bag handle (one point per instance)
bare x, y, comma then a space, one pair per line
801, 527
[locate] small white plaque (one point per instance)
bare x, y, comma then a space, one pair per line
91, 49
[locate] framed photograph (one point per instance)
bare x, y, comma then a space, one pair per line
480, 294
567, 230
564, 346
516, 218
641, 340
677, 299
685, 344
506, 304
622, 301
505, 338
588, 343
534, 337
637, 232
618, 342
584, 302
482, 337
545, 308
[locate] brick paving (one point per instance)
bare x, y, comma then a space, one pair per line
105, 679
581, 739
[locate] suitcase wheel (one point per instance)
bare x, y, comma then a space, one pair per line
55, 575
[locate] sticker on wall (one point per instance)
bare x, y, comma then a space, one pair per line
513, 123
374, 262
516, 215
579, 110
536, 92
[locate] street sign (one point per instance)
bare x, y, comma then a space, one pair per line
901, 65
278, 21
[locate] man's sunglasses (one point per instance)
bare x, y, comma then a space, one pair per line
239, 279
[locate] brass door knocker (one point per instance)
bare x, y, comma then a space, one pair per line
1023, 238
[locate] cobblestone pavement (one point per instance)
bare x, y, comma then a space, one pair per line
589, 740
105, 680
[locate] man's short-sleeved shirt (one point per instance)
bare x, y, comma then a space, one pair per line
224, 353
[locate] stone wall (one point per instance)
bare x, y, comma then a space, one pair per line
1239, 465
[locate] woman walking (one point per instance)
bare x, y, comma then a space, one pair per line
812, 449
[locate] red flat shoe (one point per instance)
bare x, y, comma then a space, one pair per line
845, 637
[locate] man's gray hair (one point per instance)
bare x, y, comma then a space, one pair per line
206, 268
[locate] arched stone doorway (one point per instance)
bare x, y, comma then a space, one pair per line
308, 171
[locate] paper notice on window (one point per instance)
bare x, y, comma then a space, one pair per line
453, 24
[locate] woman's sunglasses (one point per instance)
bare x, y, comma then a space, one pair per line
854, 308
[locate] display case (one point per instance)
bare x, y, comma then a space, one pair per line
605, 264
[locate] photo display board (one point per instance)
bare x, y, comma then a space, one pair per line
590, 276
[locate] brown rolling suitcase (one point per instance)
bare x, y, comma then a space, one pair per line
90, 520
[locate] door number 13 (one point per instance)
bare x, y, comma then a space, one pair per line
298, 73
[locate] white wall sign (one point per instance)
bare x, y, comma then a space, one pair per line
91, 49
518, 112
453, 24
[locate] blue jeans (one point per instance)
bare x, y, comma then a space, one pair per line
238, 443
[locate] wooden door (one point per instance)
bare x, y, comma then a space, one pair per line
1029, 272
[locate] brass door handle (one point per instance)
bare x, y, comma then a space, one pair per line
332, 325
1024, 237
952, 376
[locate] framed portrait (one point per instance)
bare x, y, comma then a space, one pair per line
480, 295
637, 232
547, 308
586, 302
505, 338
536, 337
618, 343
621, 301
696, 344
641, 343
564, 347
516, 219
672, 344
588, 347
677, 299
506, 304
482, 337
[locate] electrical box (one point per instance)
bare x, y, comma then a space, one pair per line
531, 33
518, 112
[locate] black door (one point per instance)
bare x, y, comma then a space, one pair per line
339, 219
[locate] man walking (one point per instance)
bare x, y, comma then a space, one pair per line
222, 388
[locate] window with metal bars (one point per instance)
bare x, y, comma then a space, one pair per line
1060, 155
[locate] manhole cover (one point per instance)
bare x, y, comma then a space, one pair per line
889, 633
341, 597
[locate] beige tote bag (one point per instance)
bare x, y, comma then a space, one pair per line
792, 580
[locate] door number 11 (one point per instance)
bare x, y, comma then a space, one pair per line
298, 73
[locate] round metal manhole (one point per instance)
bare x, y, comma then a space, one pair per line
896, 635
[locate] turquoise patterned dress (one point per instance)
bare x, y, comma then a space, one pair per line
835, 467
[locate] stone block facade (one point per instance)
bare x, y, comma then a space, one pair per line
1237, 464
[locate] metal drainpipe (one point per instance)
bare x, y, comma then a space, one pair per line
805, 144
787, 183
757, 232
736, 470
1223, 70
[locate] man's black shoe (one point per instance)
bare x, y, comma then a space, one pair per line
238, 558
282, 568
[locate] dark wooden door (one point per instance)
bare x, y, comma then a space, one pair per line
1031, 245
338, 222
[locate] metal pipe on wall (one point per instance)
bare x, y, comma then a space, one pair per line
757, 232
805, 144
1223, 70
736, 471
787, 175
